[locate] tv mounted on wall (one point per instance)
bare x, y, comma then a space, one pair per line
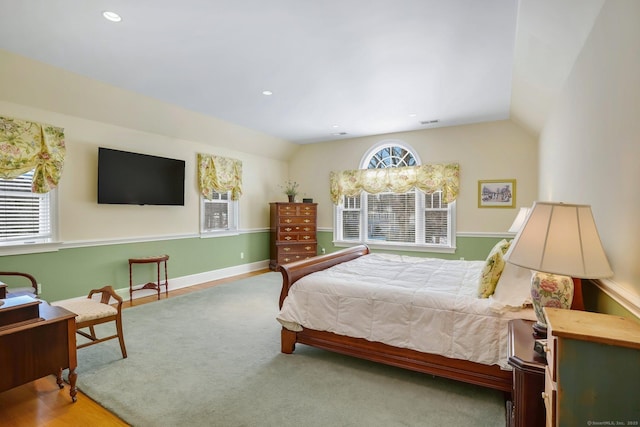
139, 179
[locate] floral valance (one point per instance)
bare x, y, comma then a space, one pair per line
26, 146
428, 178
219, 174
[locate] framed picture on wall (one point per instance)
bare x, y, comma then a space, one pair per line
497, 193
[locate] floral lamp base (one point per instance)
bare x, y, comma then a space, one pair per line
549, 290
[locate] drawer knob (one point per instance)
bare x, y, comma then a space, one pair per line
287, 238
286, 249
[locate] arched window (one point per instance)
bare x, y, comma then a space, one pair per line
411, 219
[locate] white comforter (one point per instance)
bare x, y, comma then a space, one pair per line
425, 304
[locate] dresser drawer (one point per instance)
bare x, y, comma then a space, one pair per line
297, 209
290, 250
296, 220
292, 233
291, 253
549, 397
297, 237
292, 228
551, 350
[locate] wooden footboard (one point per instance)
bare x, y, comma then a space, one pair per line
293, 271
461, 370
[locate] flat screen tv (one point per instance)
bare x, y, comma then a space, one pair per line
126, 178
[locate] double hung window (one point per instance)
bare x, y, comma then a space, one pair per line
218, 215
25, 217
411, 219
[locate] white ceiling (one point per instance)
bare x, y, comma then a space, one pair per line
361, 67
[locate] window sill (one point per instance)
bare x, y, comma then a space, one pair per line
221, 233
14, 248
398, 247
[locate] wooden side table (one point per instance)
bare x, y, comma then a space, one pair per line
527, 408
151, 285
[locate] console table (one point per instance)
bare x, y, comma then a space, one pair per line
36, 340
151, 285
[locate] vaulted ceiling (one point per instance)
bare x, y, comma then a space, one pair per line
335, 69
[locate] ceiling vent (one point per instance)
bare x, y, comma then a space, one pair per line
428, 122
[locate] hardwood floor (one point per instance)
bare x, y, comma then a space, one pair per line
42, 403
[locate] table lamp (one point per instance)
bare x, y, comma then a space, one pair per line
559, 242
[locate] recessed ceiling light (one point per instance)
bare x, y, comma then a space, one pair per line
111, 16
335, 126
412, 115
267, 92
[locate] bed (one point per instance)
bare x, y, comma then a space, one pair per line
437, 325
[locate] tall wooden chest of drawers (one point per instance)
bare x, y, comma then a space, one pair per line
293, 232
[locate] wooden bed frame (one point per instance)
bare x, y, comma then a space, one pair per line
462, 370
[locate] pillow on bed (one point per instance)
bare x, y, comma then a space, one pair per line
514, 287
492, 269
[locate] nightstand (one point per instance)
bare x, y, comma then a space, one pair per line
593, 372
527, 408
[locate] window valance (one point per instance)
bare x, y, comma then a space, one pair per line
219, 174
26, 146
428, 178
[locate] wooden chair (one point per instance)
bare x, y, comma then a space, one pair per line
90, 312
7, 291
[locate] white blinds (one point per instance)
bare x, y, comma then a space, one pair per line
412, 217
23, 215
219, 213
350, 218
436, 219
391, 217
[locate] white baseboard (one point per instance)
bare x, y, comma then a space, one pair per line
191, 280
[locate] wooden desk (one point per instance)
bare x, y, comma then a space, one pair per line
151, 285
527, 407
39, 347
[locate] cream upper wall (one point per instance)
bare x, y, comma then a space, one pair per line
81, 218
496, 150
94, 114
36, 84
590, 145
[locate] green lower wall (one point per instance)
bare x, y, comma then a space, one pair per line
597, 300
72, 272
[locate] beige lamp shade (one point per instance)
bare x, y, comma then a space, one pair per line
519, 221
562, 239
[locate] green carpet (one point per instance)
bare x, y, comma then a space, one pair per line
212, 358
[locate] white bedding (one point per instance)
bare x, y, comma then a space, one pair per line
425, 304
